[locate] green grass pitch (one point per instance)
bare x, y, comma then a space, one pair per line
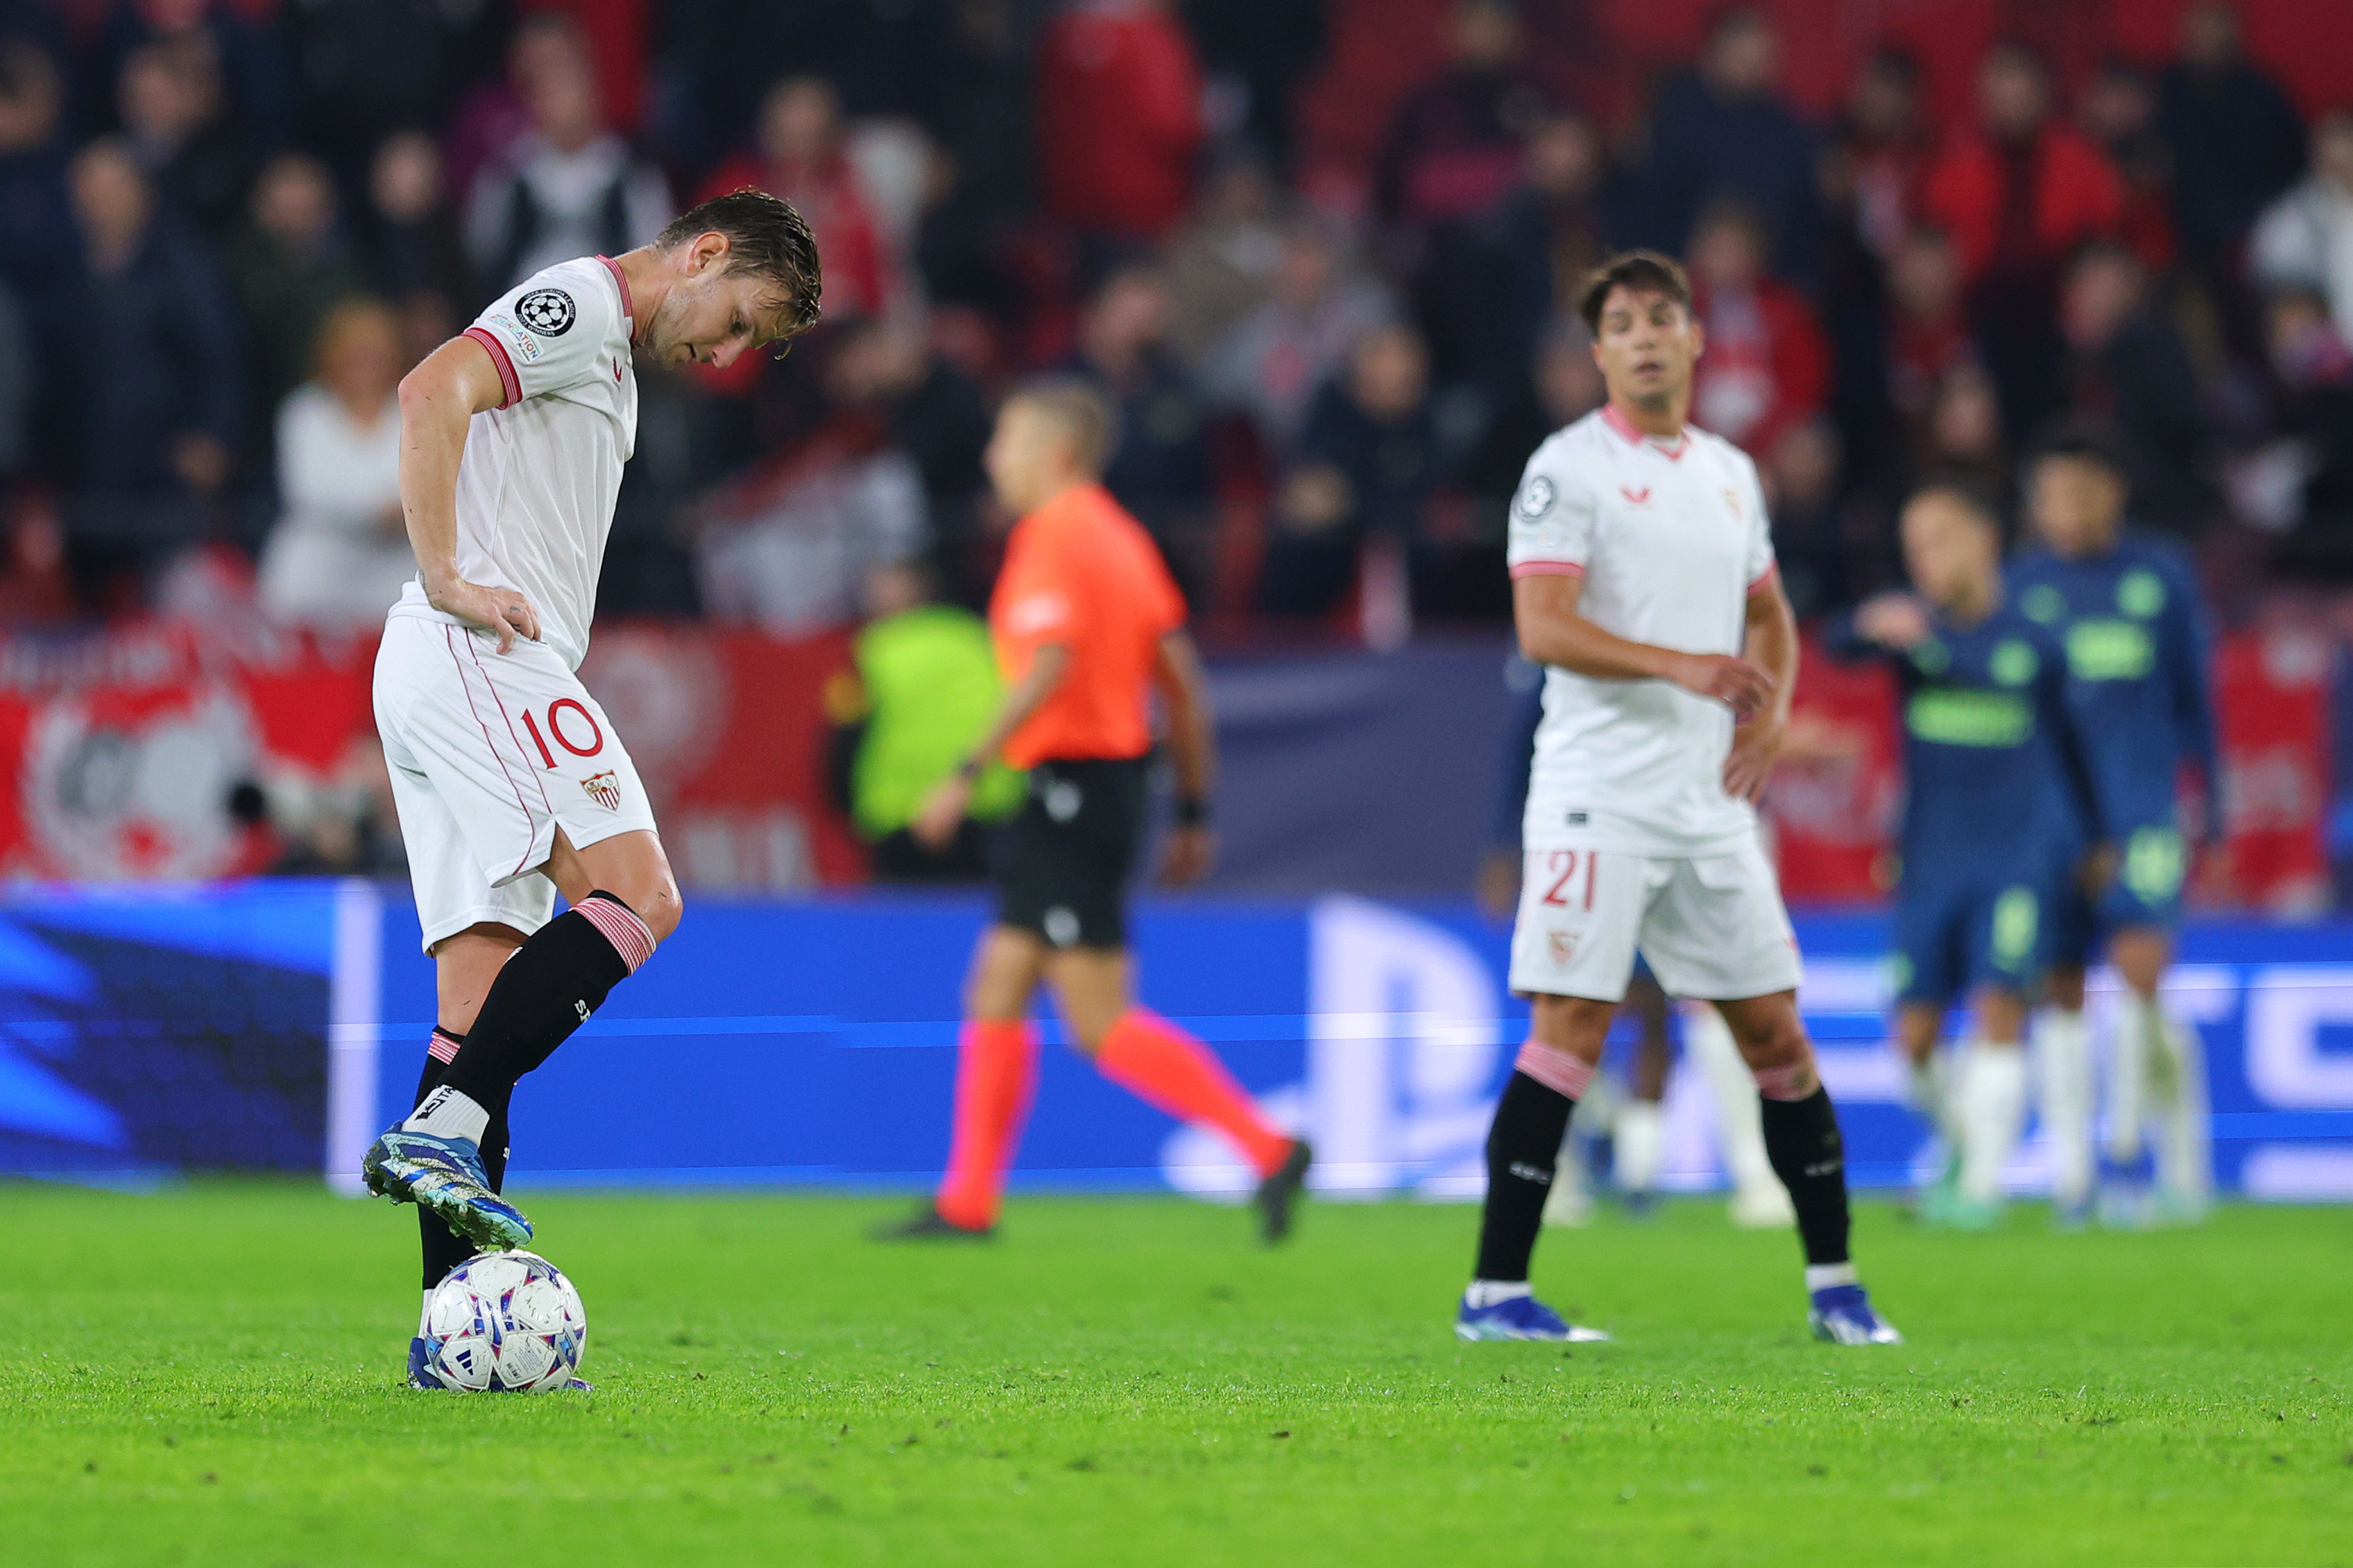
210, 1376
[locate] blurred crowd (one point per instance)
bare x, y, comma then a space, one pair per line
227, 228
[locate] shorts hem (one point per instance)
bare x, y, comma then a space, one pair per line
481, 914
602, 832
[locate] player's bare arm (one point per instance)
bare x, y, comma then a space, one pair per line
945, 807
1544, 610
1192, 752
1771, 646
438, 400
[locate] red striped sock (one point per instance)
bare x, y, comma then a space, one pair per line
997, 1074
1161, 1064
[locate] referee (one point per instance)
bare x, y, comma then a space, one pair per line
1087, 624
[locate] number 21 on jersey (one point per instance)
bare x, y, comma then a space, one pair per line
1570, 876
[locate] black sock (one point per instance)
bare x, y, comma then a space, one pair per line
1801, 1139
1523, 1146
445, 1248
546, 990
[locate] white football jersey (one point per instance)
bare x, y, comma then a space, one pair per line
1669, 538
542, 469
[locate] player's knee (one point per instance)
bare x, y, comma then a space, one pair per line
1779, 1057
670, 907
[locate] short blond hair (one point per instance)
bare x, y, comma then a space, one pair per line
1078, 409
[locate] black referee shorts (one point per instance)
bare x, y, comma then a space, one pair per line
1063, 860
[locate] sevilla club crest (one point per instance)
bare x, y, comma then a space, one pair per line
603, 789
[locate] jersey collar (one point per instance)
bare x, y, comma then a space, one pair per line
1672, 450
628, 306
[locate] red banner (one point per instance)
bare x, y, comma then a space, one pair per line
2271, 690
128, 745
1831, 807
728, 731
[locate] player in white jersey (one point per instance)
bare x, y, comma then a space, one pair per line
1643, 580
511, 783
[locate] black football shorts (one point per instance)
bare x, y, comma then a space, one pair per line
1061, 863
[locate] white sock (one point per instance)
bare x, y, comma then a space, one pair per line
1992, 1113
2062, 1051
2184, 1160
2128, 1081
1822, 1276
1639, 1142
1931, 1088
1739, 1120
447, 1114
425, 1315
1488, 1292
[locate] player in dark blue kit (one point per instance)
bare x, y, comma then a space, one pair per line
2126, 609
1991, 761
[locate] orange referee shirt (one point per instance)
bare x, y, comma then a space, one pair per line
1079, 572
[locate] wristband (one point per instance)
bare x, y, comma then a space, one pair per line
1192, 811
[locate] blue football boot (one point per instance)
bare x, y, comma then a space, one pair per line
1521, 1318
445, 1175
1843, 1315
418, 1378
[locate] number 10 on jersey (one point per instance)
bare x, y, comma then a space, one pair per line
564, 732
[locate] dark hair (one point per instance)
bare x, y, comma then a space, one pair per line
1636, 271
1080, 408
764, 236
1963, 490
2080, 438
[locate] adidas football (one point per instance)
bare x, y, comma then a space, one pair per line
505, 1322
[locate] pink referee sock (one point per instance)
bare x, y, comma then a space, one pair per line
1162, 1065
996, 1077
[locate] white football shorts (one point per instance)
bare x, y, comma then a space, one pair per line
1714, 929
489, 754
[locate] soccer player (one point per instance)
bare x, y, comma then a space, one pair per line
1991, 763
2125, 607
1643, 576
511, 784
1088, 625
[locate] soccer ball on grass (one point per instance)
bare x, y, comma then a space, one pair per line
505, 1322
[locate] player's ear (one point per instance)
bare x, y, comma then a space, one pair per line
1698, 333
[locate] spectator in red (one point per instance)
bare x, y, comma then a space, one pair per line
1119, 117
1766, 368
2019, 193
1454, 148
797, 153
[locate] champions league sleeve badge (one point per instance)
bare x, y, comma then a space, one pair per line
547, 311
1536, 497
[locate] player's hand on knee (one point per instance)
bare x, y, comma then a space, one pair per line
1735, 682
506, 612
